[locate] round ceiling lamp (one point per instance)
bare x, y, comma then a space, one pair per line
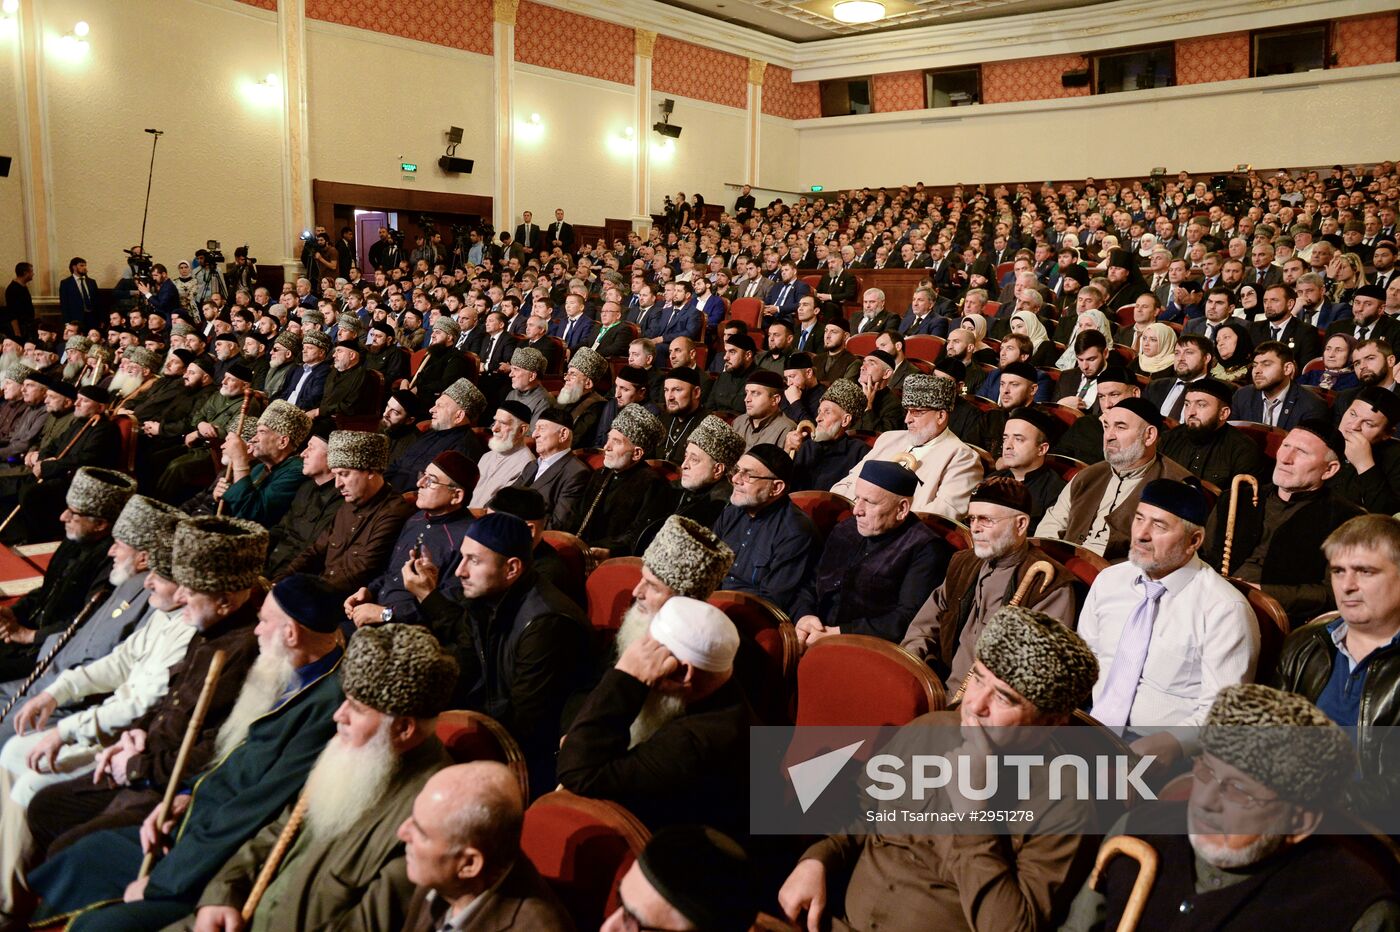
858, 11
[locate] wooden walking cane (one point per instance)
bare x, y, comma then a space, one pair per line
228, 470
275, 856
1229, 519
1146, 856
1038, 569
14, 512
48, 658
201, 708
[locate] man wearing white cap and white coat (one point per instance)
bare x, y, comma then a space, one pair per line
666, 731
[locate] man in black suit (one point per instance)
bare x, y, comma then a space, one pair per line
1219, 305
873, 316
77, 294
1280, 326
613, 336
528, 233
561, 234
1263, 273
744, 203
1275, 398
496, 346
537, 337
1195, 355
555, 473
836, 288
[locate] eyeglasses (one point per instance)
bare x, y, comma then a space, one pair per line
431, 481
985, 520
743, 475
1231, 790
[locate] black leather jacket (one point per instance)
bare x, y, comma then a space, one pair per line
1305, 667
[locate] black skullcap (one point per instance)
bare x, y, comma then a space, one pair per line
1183, 499
351, 345
767, 378
1021, 369
206, 363
1143, 409
1322, 429
228, 337
883, 356
892, 477
781, 322
383, 328
1117, 375
560, 416
96, 393
456, 466
503, 533
184, 355
952, 367
517, 410
798, 361
1005, 491
1041, 421
57, 385
687, 374
741, 341
704, 875
411, 403
311, 601
634, 375
525, 503
1384, 401
1076, 272
775, 459
841, 322
1214, 387
1370, 291
240, 372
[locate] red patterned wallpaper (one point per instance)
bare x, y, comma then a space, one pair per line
456, 24
1364, 40
783, 98
699, 73
1212, 58
1031, 79
903, 90
554, 38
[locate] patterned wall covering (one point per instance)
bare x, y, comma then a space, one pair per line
702, 74
903, 90
1212, 58
456, 24
1031, 79
554, 38
782, 98
1365, 40
262, 4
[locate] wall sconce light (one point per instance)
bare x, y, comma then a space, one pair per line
530, 129
271, 82
74, 44
9, 7
264, 93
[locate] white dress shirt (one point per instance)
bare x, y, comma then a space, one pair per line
1205, 638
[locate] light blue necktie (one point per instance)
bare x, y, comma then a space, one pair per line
1116, 700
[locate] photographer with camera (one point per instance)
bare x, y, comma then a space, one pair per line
244, 274
209, 280
308, 249
159, 292
325, 256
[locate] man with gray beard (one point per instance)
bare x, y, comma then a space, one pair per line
507, 456
137, 384
579, 396
1245, 851
285, 348
347, 869
75, 358
11, 388
28, 425
693, 765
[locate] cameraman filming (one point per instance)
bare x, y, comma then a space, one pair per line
209, 281
327, 257
244, 273
308, 250
160, 294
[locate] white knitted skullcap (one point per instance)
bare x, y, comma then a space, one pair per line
696, 633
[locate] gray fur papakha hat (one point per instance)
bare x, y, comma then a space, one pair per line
288, 340
1282, 740
718, 441
317, 337
161, 557
99, 493
1038, 657
688, 557
448, 326
357, 449
398, 669
528, 358
589, 362
468, 397
78, 342
18, 372
639, 426
847, 396
313, 319
181, 329
216, 555
143, 358
928, 391
285, 418
352, 323
146, 524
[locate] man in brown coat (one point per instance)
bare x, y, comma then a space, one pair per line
356, 547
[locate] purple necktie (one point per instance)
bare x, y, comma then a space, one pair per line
1116, 700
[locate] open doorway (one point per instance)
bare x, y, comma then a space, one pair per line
441, 219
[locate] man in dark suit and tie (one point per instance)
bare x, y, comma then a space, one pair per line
1383, 258
1281, 326
561, 234
678, 319
836, 288
1263, 272
1219, 305
555, 473
1275, 398
646, 310
528, 233
873, 316
782, 300
921, 318
577, 328
1195, 355
810, 330
752, 284
613, 337
496, 347
472, 320
77, 295
1368, 319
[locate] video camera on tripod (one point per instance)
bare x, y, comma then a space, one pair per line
140, 264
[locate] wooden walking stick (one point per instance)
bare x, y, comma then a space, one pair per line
1229, 518
1146, 856
48, 658
275, 856
201, 708
14, 512
1040, 568
228, 469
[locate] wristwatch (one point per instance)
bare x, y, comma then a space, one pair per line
386, 616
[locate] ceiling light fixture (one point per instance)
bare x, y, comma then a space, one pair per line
858, 11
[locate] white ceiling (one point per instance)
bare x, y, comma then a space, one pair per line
804, 20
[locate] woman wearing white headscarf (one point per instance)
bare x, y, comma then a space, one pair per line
1089, 320
1043, 350
1157, 351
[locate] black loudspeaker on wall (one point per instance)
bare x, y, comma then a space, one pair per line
1074, 78
450, 163
4, 166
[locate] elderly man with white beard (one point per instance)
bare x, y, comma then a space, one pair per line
134, 383
75, 358
263, 753
691, 763
1246, 850
285, 348
507, 456
579, 396
347, 869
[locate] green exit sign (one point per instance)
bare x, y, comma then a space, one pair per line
818, 187
409, 166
